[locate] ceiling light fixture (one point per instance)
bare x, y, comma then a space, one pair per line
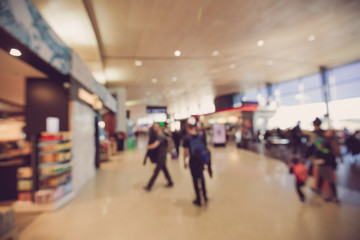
66, 85
154, 80
232, 66
311, 38
15, 52
215, 53
260, 43
138, 63
174, 79
177, 53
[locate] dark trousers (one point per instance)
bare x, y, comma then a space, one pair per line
158, 168
331, 184
198, 179
299, 185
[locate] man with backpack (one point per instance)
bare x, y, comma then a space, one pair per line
151, 153
161, 145
195, 145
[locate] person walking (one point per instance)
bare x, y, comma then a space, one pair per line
195, 145
325, 157
301, 173
151, 153
296, 135
161, 145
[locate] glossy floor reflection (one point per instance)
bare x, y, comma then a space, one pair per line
251, 197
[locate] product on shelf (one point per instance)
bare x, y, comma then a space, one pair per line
50, 195
25, 196
50, 182
60, 136
24, 184
53, 170
55, 157
44, 196
24, 172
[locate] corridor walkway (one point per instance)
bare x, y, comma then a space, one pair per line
251, 197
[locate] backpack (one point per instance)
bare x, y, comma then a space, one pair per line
198, 149
152, 154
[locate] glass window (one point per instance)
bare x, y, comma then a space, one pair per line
312, 82
250, 96
313, 96
289, 87
346, 73
345, 90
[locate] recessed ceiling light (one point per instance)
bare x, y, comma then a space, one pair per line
215, 53
15, 52
174, 79
311, 38
66, 85
232, 66
154, 80
138, 63
269, 63
177, 53
260, 43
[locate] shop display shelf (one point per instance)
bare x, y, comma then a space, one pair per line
28, 206
22, 191
41, 153
48, 143
7, 157
54, 163
14, 162
43, 187
24, 178
55, 175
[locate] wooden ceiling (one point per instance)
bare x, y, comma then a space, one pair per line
123, 31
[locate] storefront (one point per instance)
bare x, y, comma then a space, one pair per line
49, 103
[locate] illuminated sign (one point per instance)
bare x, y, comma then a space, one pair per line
219, 134
91, 99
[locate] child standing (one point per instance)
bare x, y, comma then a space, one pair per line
301, 173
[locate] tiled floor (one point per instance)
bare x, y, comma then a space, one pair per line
251, 197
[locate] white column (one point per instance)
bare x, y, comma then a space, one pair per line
121, 114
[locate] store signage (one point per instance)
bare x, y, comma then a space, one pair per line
52, 124
155, 109
91, 99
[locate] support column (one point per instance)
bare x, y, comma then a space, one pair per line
270, 95
325, 90
121, 114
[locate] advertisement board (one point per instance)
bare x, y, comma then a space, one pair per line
219, 135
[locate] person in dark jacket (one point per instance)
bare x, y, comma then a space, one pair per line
161, 145
196, 165
152, 153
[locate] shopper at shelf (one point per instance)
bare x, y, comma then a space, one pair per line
161, 145
197, 161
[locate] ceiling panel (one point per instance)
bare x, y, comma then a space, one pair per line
151, 30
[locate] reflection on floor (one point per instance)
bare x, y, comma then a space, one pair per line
251, 197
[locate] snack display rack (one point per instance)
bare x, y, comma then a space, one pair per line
46, 185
